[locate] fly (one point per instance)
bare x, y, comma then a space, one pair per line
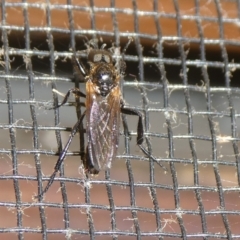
104, 105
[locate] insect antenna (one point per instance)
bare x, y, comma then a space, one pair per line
103, 46
93, 43
130, 39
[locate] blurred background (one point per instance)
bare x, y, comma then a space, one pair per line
182, 74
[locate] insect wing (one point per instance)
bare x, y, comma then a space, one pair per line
103, 119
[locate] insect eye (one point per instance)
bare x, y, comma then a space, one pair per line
97, 58
106, 58
101, 57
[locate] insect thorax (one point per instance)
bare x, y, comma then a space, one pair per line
104, 77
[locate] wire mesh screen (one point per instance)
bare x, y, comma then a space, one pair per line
182, 74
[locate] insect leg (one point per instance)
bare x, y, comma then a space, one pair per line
140, 133
79, 66
62, 155
75, 91
88, 165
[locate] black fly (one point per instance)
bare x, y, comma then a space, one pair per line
104, 105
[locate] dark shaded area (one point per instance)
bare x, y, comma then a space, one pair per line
173, 69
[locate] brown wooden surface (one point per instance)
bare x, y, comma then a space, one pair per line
103, 20
121, 195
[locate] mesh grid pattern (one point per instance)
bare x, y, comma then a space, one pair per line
191, 113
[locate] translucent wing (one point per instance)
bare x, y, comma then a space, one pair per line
103, 119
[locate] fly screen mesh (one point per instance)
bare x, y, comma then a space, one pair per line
183, 71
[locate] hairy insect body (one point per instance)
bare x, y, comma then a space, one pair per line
103, 101
104, 105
